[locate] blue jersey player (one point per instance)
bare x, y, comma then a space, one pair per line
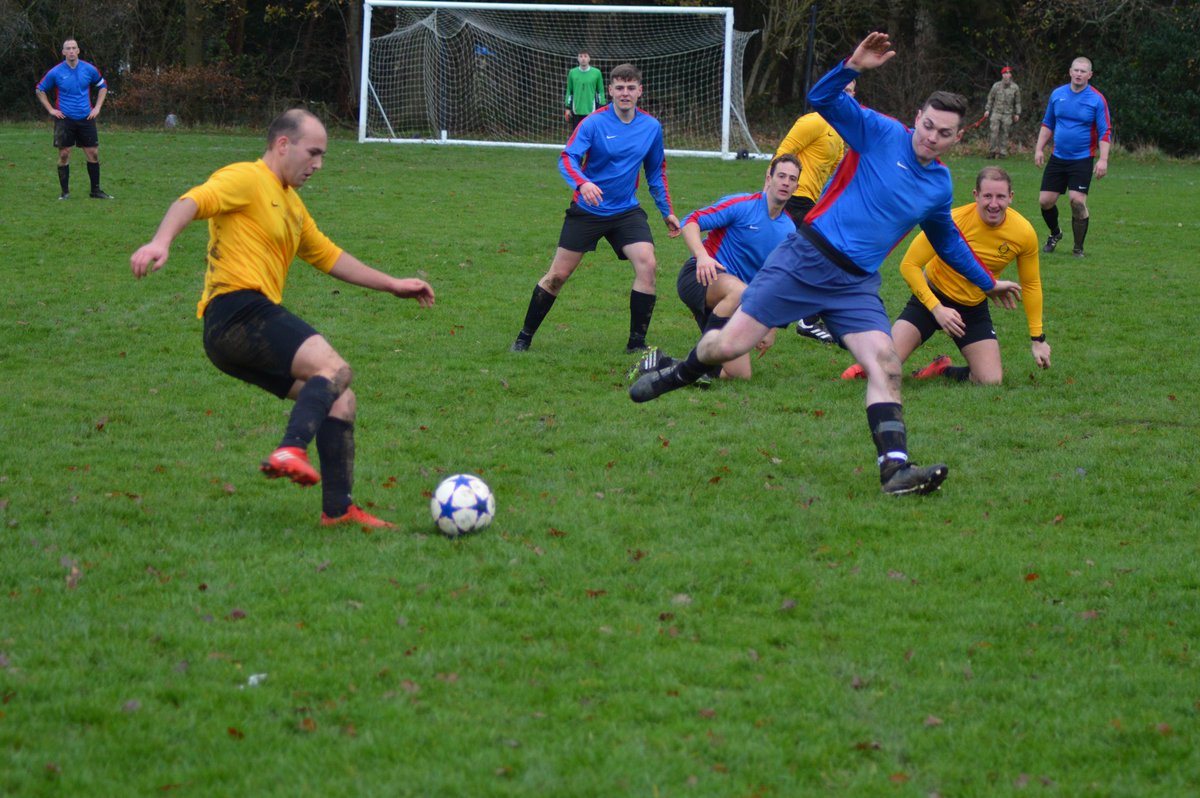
890, 179
743, 229
74, 114
1077, 117
601, 163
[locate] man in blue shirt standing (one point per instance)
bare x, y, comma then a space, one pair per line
74, 115
601, 163
1077, 116
890, 179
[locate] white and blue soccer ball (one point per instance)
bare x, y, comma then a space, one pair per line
462, 503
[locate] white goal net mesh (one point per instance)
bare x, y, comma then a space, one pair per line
500, 75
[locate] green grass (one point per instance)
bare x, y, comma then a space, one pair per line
704, 596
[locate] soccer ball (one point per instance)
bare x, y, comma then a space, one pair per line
462, 503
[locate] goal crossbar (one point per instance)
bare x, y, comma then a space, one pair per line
438, 132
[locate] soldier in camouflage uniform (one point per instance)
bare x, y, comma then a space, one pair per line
1004, 110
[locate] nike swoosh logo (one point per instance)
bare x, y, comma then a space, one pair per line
610, 137
902, 166
752, 226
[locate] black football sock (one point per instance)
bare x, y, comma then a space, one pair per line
1079, 230
886, 420
957, 373
64, 178
94, 175
1051, 216
539, 305
641, 308
715, 322
312, 406
335, 447
688, 370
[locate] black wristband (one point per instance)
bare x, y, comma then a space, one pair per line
1041, 339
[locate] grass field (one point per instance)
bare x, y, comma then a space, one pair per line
702, 596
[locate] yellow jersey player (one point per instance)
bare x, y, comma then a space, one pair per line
943, 299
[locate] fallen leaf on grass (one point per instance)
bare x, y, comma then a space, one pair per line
933, 720
235, 733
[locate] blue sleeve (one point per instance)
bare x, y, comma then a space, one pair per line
1048, 117
655, 165
949, 243
858, 126
570, 164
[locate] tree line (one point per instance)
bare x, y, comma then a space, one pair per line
241, 61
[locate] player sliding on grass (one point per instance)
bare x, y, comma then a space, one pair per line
257, 225
742, 230
890, 180
943, 299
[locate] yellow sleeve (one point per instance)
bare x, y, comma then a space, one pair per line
316, 247
920, 252
227, 189
1030, 274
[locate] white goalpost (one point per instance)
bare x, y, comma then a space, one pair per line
494, 74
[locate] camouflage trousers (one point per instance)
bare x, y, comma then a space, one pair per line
1001, 126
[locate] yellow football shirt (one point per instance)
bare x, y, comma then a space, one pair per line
256, 228
996, 247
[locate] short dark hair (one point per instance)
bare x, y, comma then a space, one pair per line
287, 124
583, 51
948, 101
625, 72
787, 157
992, 173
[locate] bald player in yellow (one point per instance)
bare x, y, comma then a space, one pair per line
257, 224
820, 149
942, 299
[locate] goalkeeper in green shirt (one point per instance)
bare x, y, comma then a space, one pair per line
585, 90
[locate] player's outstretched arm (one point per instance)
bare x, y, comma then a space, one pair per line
1005, 293
151, 257
873, 51
350, 269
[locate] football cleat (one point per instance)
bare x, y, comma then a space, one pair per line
65, 195
912, 478
1077, 252
1052, 241
633, 348
655, 384
356, 515
99, 194
519, 345
291, 462
937, 367
816, 330
855, 372
653, 360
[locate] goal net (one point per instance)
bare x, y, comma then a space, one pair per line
495, 73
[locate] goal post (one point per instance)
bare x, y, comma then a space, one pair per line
475, 73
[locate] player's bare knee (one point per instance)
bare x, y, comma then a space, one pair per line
1079, 209
342, 376
553, 282
346, 406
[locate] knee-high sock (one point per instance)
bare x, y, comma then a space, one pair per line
1079, 229
641, 308
312, 406
1051, 216
94, 175
64, 178
886, 420
539, 305
335, 447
